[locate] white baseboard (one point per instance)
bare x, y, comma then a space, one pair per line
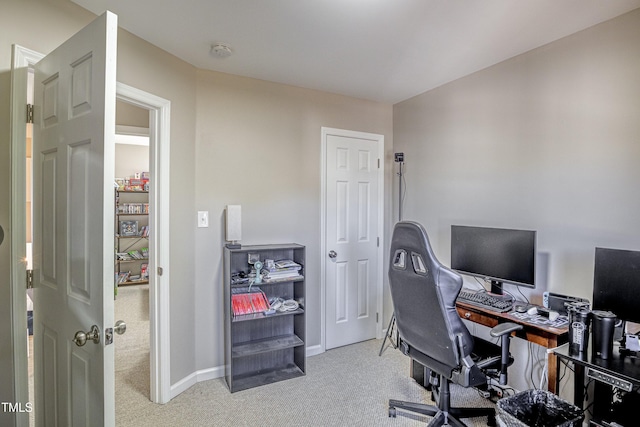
314, 350
196, 377
217, 372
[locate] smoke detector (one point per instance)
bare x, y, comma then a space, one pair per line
221, 50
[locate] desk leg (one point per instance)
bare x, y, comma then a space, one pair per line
552, 373
578, 385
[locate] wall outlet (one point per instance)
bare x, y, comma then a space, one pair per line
203, 218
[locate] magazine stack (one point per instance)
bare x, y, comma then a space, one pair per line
284, 269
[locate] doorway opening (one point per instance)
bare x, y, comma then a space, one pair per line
131, 241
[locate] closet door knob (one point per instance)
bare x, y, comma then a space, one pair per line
120, 327
332, 254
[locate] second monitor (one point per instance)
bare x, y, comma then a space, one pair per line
497, 254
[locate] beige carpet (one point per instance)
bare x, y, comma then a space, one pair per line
348, 386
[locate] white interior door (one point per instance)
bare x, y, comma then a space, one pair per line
73, 156
353, 219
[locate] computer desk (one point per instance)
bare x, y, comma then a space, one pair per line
543, 335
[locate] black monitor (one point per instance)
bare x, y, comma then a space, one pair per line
497, 254
616, 283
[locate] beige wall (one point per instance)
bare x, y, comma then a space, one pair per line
151, 69
130, 115
549, 140
131, 159
258, 145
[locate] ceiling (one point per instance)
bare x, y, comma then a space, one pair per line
382, 50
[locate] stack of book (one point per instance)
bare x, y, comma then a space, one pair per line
281, 270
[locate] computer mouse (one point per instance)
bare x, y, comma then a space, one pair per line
520, 308
532, 311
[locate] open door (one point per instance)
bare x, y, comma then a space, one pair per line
73, 156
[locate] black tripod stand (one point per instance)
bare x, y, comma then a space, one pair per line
399, 158
389, 334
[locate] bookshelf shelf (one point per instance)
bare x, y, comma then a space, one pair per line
260, 316
279, 373
264, 348
266, 345
134, 282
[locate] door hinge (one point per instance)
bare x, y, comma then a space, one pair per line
160, 271
29, 279
29, 113
378, 163
378, 242
377, 317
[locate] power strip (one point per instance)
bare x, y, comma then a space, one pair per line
609, 379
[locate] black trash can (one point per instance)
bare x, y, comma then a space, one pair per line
537, 408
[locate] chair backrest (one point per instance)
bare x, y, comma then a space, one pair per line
424, 296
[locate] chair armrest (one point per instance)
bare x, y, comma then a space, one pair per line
504, 328
504, 331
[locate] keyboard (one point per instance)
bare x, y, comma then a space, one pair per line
485, 300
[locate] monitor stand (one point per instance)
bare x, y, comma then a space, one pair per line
496, 287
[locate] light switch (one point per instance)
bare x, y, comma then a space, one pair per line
203, 218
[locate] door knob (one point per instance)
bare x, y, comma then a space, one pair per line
82, 337
332, 254
120, 327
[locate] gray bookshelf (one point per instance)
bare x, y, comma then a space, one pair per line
264, 348
134, 241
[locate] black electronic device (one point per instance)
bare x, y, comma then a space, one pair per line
616, 283
559, 302
497, 254
399, 157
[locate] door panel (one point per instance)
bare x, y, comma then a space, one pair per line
73, 224
352, 226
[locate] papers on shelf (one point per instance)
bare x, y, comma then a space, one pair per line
282, 269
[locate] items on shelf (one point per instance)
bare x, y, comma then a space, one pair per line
131, 229
282, 269
135, 254
144, 231
128, 228
122, 276
133, 208
138, 182
281, 305
248, 301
